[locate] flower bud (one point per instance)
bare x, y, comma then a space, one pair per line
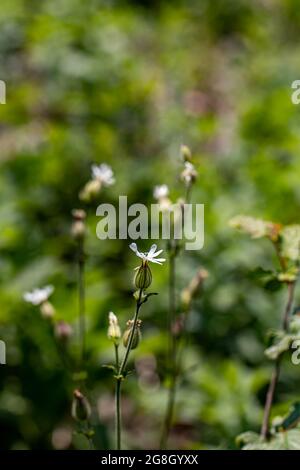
63, 331
143, 276
186, 154
178, 325
137, 335
81, 409
47, 309
78, 227
194, 286
114, 331
90, 190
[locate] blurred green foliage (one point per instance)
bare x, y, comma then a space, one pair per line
126, 82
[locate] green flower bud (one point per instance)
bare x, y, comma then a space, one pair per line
186, 154
143, 277
137, 335
81, 409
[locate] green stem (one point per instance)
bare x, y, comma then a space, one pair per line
173, 344
276, 372
117, 402
121, 371
172, 351
118, 414
128, 349
81, 300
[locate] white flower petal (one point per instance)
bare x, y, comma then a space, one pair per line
157, 253
133, 247
152, 251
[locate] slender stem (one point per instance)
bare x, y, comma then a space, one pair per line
121, 370
118, 413
276, 372
281, 259
174, 363
128, 349
117, 402
81, 300
172, 306
172, 351
117, 355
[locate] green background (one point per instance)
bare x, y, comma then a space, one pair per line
127, 82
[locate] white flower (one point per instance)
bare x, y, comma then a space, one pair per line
38, 296
189, 173
161, 192
150, 256
103, 173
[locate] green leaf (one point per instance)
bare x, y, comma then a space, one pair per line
282, 345
247, 437
291, 420
291, 242
266, 278
287, 440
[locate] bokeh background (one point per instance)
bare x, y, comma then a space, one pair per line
127, 82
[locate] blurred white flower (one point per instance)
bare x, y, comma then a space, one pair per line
150, 256
103, 173
189, 174
38, 296
161, 192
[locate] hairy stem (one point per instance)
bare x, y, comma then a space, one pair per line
276, 372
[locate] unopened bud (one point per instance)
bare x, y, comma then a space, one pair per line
90, 190
143, 276
63, 330
137, 335
78, 227
178, 325
81, 409
194, 286
47, 309
114, 331
186, 154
